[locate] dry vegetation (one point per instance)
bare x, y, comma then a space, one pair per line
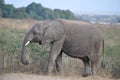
22, 76
12, 33
17, 23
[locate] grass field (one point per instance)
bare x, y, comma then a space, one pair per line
11, 38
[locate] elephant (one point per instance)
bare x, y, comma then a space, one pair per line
75, 38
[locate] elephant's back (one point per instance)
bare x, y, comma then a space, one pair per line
80, 29
72, 26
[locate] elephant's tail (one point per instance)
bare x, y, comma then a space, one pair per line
103, 61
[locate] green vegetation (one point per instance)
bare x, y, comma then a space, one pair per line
33, 11
112, 50
10, 50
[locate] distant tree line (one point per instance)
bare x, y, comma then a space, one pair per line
34, 11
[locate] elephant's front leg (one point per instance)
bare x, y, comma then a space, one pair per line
54, 52
59, 63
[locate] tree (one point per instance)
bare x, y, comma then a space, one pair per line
20, 13
47, 13
2, 3
34, 11
68, 14
8, 11
34, 8
59, 13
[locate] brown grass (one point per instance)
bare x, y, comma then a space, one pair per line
17, 23
22, 76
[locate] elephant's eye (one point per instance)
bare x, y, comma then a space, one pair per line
34, 32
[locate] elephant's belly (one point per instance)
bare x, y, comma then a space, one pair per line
76, 54
76, 51
77, 46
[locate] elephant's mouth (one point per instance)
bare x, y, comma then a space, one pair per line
40, 43
32, 41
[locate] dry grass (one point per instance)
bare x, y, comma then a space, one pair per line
17, 23
21, 76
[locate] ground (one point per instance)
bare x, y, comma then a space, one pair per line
23, 76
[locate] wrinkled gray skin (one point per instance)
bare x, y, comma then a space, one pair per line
76, 39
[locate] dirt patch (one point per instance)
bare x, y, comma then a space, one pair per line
22, 76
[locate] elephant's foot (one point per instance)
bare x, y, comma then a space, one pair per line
86, 74
47, 73
60, 73
94, 72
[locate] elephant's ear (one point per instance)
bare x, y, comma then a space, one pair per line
54, 32
37, 29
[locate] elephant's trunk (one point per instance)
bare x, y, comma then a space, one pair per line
23, 54
27, 40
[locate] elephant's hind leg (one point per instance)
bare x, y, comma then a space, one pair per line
94, 58
87, 67
94, 61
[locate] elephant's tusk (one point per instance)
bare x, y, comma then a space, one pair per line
27, 43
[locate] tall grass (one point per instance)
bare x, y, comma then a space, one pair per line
112, 50
11, 44
10, 50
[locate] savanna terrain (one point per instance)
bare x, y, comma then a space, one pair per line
12, 33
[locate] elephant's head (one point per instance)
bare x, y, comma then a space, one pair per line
42, 34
